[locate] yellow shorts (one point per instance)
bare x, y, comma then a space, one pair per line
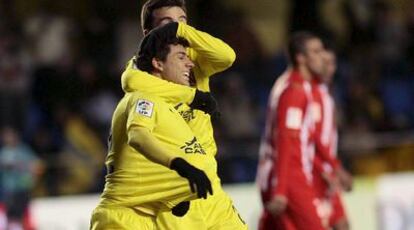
216, 212
111, 218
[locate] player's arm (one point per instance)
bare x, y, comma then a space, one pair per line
344, 177
318, 165
212, 55
289, 114
321, 170
323, 149
141, 139
142, 116
323, 128
286, 141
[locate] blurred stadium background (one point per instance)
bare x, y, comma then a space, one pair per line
61, 61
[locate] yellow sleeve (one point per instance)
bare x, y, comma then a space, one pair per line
141, 121
134, 79
143, 141
211, 54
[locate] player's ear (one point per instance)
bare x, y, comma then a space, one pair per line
157, 64
146, 31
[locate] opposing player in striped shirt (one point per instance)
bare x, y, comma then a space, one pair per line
287, 148
325, 177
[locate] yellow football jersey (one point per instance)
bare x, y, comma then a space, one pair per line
210, 55
133, 180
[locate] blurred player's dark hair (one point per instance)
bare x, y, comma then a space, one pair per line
156, 44
151, 5
329, 45
297, 45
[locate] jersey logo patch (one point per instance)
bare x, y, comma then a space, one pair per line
144, 107
293, 118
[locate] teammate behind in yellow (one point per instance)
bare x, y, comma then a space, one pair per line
149, 138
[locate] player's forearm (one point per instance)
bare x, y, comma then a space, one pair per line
134, 79
285, 146
318, 165
323, 152
143, 141
211, 51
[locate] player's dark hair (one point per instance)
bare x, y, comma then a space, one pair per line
156, 45
329, 45
297, 45
147, 10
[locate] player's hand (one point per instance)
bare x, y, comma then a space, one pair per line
167, 30
345, 179
277, 205
164, 32
198, 180
148, 44
331, 181
205, 102
181, 209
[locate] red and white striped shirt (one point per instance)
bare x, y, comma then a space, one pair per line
287, 149
326, 136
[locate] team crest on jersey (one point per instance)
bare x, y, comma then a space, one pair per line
193, 147
144, 107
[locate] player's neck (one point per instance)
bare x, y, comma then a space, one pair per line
156, 74
305, 73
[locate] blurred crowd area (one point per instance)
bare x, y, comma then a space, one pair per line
61, 62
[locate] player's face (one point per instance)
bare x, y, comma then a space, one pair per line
177, 66
330, 66
168, 14
314, 56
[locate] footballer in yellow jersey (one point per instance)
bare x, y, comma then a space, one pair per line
210, 55
148, 137
136, 181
